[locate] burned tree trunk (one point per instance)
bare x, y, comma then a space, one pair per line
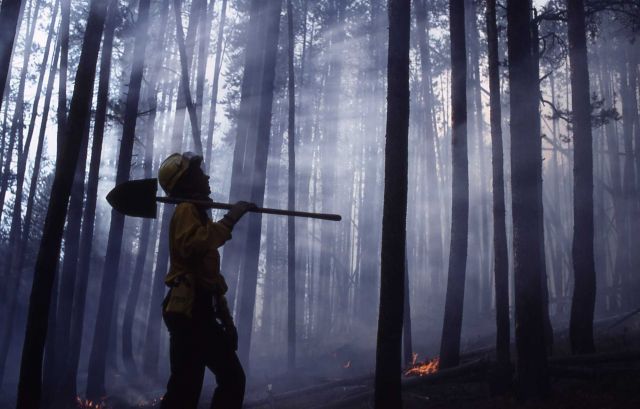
97, 361
526, 171
501, 257
394, 232
29, 387
66, 391
584, 294
452, 325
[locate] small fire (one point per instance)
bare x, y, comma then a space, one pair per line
422, 368
347, 364
89, 404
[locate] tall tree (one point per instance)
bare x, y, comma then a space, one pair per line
262, 123
19, 240
584, 293
17, 124
152, 347
152, 103
501, 256
29, 387
185, 62
291, 226
9, 13
526, 173
434, 223
214, 87
452, 325
97, 361
65, 14
66, 391
394, 218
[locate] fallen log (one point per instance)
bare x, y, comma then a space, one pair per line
478, 365
623, 318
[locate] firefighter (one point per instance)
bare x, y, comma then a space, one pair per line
195, 311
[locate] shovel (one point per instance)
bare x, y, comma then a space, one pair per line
137, 198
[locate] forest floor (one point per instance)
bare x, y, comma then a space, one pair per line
609, 379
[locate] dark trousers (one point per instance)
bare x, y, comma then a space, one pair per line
195, 344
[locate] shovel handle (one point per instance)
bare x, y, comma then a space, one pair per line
227, 206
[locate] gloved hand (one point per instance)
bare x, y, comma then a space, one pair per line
236, 212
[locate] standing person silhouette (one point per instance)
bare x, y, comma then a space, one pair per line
195, 311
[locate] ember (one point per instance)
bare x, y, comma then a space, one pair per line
422, 368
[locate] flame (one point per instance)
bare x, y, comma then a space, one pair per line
347, 364
89, 404
422, 368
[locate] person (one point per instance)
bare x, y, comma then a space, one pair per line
201, 329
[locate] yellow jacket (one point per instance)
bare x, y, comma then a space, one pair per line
194, 259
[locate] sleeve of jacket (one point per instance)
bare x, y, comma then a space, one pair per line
191, 236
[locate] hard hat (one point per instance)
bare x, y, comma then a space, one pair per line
174, 167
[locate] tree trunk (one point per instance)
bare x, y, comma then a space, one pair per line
214, 88
15, 258
584, 294
65, 13
204, 37
70, 263
17, 124
66, 392
249, 275
152, 347
291, 226
185, 62
9, 13
244, 148
97, 361
29, 387
526, 170
501, 256
434, 222
407, 342
152, 102
328, 153
393, 256
452, 325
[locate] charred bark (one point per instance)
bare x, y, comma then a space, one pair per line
393, 251
501, 256
97, 361
29, 387
452, 325
584, 294
526, 170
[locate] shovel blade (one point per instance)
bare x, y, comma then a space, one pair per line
136, 198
